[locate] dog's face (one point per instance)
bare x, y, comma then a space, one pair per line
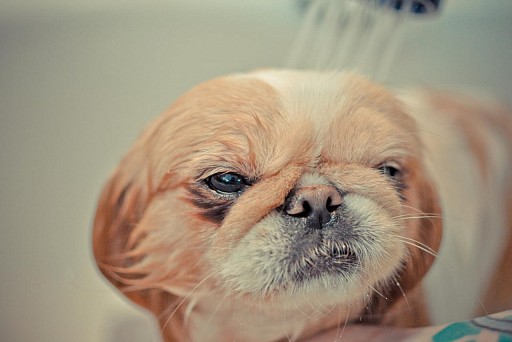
273, 187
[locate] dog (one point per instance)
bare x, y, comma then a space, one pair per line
278, 204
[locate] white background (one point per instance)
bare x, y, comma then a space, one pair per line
80, 79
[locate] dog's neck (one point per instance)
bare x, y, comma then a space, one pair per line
223, 318
217, 318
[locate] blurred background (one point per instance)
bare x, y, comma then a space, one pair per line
80, 79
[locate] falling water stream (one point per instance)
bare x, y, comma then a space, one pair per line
361, 35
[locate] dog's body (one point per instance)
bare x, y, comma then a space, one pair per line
468, 149
278, 204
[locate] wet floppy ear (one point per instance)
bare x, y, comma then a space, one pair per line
127, 213
419, 261
429, 233
121, 206
403, 302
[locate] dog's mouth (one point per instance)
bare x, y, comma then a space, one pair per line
283, 255
326, 258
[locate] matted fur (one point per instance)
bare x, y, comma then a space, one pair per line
213, 267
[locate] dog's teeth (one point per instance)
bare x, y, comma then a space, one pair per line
344, 249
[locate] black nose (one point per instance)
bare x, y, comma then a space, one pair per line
316, 203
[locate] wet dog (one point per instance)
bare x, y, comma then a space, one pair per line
278, 204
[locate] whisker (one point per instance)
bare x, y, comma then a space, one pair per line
212, 315
443, 216
416, 241
369, 285
339, 334
184, 300
299, 309
188, 311
375, 290
412, 208
433, 253
284, 324
312, 306
403, 294
413, 216
420, 247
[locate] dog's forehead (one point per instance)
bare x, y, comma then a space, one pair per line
353, 119
263, 121
327, 97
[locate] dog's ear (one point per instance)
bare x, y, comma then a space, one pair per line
402, 302
428, 232
121, 206
128, 212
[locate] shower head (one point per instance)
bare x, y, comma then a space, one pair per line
416, 7
412, 6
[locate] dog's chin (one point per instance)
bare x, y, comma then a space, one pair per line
281, 259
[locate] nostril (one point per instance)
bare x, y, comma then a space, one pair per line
331, 205
304, 211
317, 204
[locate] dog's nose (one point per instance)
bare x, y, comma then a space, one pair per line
316, 203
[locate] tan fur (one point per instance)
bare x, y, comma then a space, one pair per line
160, 239
476, 119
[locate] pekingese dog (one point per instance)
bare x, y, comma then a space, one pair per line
278, 204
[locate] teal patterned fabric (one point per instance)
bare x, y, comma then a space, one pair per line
471, 329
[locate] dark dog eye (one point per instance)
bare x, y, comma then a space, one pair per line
389, 170
227, 182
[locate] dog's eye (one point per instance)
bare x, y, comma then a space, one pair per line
227, 182
390, 170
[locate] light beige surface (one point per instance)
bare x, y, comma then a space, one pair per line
79, 80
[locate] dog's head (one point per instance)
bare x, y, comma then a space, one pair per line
273, 187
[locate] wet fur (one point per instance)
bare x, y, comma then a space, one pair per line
214, 267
